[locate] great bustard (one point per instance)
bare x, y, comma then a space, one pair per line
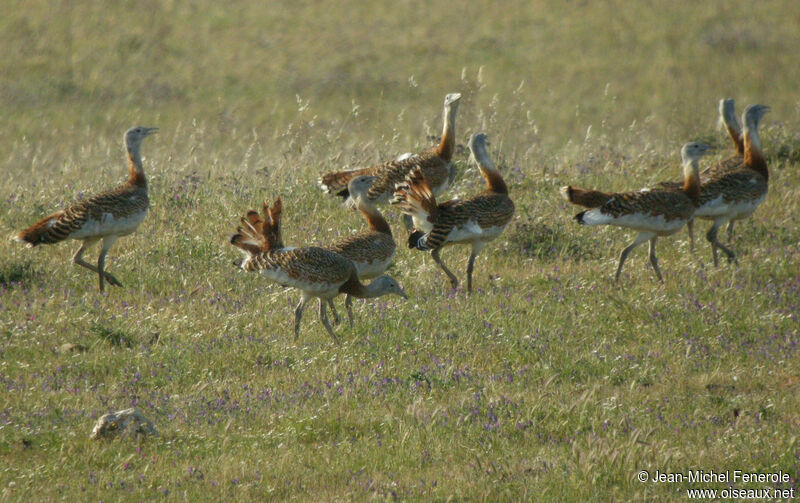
435, 162
475, 220
727, 114
372, 250
654, 213
316, 272
734, 193
589, 198
107, 216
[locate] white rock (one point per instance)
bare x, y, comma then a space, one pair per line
123, 422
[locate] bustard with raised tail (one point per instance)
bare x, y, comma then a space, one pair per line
316, 272
474, 221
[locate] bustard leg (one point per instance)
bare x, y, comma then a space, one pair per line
730, 231
653, 259
641, 238
336, 318
690, 228
298, 314
323, 315
477, 246
438, 260
78, 259
348, 303
108, 242
712, 238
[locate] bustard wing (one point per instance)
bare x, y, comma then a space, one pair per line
102, 214
433, 167
366, 246
733, 186
463, 220
302, 267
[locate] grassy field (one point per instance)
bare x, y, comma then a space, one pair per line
550, 383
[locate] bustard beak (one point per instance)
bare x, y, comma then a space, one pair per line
403, 294
150, 130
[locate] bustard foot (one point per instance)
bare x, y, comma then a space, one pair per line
112, 280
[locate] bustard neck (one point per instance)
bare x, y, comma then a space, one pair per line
494, 181
691, 176
135, 168
374, 218
753, 156
448, 142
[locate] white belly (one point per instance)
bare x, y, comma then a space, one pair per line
471, 231
734, 211
110, 226
368, 270
323, 290
650, 223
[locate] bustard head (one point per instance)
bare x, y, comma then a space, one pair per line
135, 135
357, 189
451, 100
478, 140
753, 114
358, 186
384, 285
693, 151
477, 148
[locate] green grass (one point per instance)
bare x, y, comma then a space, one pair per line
550, 383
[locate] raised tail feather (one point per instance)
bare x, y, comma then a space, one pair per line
257, 234
42, 232
414, 196
272, 233
584, 197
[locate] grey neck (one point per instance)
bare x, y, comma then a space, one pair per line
135, 156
